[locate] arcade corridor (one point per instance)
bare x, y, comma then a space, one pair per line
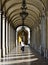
27, 21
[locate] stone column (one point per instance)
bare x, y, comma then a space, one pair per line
3, 36
7, 37
34, 38
43, 34
31, 38
0, 34
38, 39
16, 37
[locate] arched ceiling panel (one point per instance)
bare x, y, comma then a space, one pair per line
35, 2
13, 4
31, 7
10, 2
13, 9
17, 7
16, 15
17, 23
27, 23
16, 18
4, 1
29, 19
18, 12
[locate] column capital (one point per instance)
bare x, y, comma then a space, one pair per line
43, 14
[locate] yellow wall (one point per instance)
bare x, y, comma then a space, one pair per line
25, 36
20, 39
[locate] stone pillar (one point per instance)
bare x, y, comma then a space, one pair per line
0, 34
43, 34
38, 39
7, 37
34, 38
1, 28
31, 38
3, 36
16, 37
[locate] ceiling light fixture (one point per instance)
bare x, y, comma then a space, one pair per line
23, 14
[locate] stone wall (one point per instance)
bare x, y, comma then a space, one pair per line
12, 38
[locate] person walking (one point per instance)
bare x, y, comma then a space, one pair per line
22, 45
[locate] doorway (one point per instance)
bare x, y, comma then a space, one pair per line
26, 36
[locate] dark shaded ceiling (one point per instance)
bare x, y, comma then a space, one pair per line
13, 9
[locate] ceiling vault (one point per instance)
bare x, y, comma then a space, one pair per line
12, 9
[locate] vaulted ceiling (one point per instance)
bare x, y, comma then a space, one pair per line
12, 8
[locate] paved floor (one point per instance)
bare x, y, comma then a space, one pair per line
28, 57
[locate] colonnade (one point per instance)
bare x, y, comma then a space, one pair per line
39, 36
7, 36
4, 36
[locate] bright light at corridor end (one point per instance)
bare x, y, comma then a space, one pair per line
27, 29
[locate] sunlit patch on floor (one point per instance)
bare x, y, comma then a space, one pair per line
18, 54
20, 61
28, 56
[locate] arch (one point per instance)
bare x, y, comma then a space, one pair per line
15, 17
10, 0
19, 29
19, 13
29, 18
16, 24
20, 3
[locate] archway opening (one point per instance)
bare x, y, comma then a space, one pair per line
26, 36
